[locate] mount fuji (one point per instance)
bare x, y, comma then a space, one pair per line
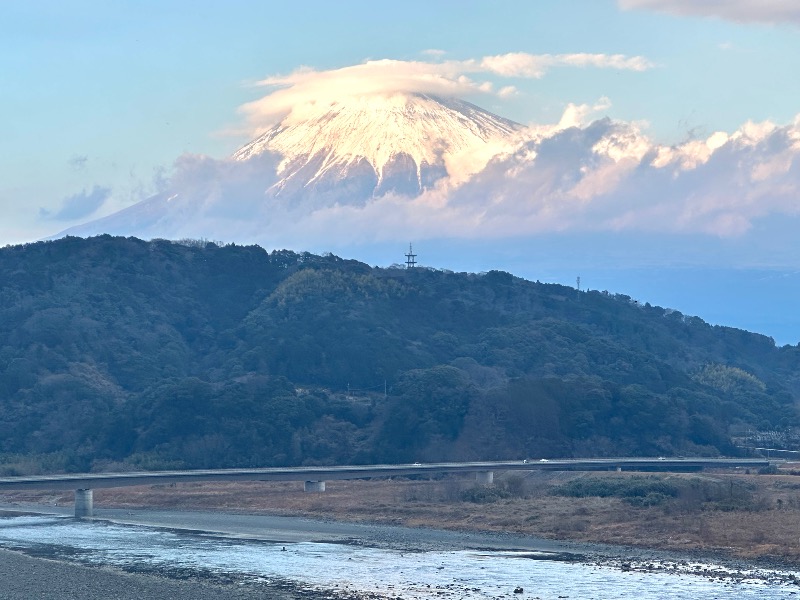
364, 175
401, 143
337, 154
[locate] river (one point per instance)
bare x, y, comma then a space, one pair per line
349, 565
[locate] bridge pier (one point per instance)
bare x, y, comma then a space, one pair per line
314, 486
484, 477
84, 503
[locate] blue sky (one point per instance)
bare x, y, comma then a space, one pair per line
108, 94
99, 98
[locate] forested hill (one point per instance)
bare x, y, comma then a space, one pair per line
117, 352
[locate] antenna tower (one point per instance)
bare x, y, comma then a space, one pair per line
579, 283
411, 258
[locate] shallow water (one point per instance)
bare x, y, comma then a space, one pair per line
446, 574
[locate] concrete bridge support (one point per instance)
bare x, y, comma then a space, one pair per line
314, 486
484, 477
84, 503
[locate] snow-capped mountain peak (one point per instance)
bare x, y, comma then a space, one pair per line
400, 142
345, 153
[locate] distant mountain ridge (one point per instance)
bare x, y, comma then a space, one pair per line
118, 352
343, 154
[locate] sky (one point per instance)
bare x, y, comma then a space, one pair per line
103, 101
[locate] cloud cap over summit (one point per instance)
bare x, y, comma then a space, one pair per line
396, 165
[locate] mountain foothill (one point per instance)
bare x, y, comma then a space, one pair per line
118, 353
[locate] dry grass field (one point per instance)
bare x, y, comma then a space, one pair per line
734, 513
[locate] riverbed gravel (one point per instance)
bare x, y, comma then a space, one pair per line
26, 578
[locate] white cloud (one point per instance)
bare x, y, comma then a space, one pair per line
580, 174
306, 88
521, 64
608, 176
507, 91
569, 177
742, 11
575, 115
78, 206
604, 176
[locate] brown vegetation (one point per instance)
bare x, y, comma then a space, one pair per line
744, 515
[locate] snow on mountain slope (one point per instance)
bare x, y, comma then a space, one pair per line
400, 143
321, 156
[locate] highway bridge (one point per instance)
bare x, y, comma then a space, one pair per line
314, 477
